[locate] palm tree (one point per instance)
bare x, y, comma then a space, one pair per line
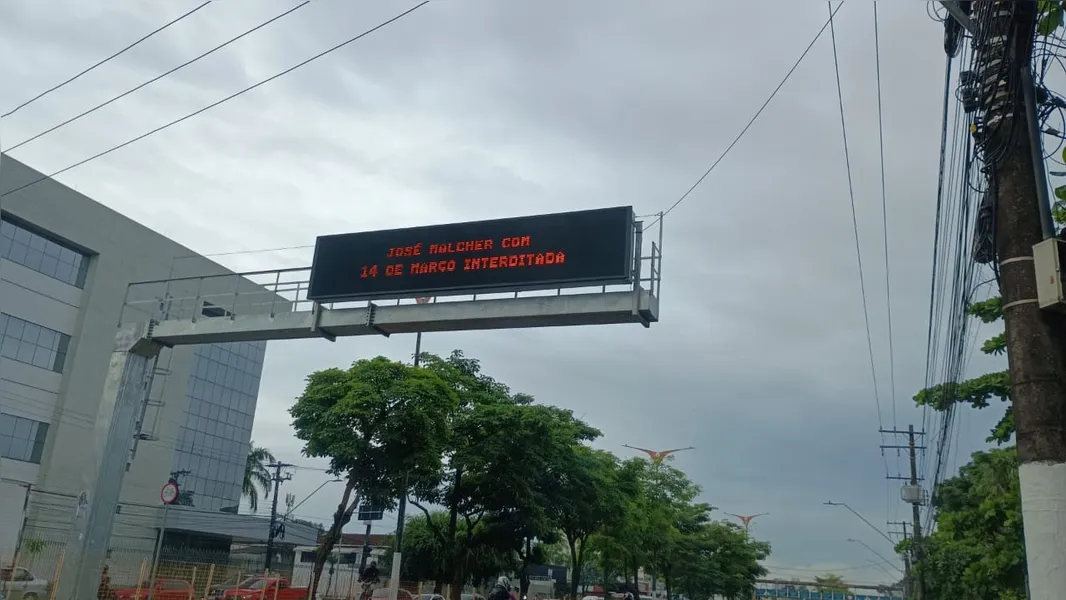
256, 475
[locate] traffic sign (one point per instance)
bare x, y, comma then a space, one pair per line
169, 493
370, 513
575, 249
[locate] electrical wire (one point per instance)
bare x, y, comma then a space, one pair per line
220, 102
102, 62
888, 271
160, 76
884, 218
956, 277
751, 122
855, 219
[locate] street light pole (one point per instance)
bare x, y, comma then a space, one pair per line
658, 456
872, 526
747, 519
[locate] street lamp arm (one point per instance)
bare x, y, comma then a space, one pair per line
872, 526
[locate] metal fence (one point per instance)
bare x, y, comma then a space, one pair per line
39, 568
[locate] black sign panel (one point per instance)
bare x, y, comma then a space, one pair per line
369, 513
590, 247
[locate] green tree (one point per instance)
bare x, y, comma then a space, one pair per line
670, 518
528, 458
978, 549
1050, 13
256, 475
375, 422
831, 582
720, 559
589, 499
492, 482
663, 528
422, 552
979, 391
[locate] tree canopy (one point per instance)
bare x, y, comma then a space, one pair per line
977, 550
830, 582
374, 422
499, 482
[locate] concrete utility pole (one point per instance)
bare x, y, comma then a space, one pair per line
1009, 139
913, 495
277, 479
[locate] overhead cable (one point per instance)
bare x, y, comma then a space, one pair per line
160, 76
884, 220
751, 122
855, 219
109, 58
219, 102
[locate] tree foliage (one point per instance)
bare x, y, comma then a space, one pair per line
670, 533
830, 582
977, 550
501, 460
256, 475
422, 553
980, 391
499, 483
374, 422
1049, 16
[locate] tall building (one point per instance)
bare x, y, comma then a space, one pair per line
65, 264
212, 446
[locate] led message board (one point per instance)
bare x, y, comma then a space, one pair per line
590, 247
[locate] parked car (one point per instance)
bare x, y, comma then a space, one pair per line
165, 589
19, 583
270, 588
218, 591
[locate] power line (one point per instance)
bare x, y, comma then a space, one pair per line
854, 216
109, 58
219, 102
158, 77
751, 122
884, 219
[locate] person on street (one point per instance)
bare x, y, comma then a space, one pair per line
502, 590
369, 577
370, 574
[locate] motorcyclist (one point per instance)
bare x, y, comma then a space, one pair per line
502, 589
370, 574
369, 577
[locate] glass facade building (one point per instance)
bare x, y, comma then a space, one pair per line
213, 444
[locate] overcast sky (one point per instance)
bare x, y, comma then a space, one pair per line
471, 109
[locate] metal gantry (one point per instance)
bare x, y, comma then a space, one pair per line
273, 305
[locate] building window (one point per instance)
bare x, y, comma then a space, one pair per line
44, 255
213, 443
33, 344
22, 439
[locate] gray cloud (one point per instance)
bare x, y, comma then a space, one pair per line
474, 109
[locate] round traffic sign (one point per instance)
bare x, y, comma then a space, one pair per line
169, 493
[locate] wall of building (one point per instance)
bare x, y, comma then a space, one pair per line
213, 443
80, 303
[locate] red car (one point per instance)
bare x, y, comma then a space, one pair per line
165, 589
268, 588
